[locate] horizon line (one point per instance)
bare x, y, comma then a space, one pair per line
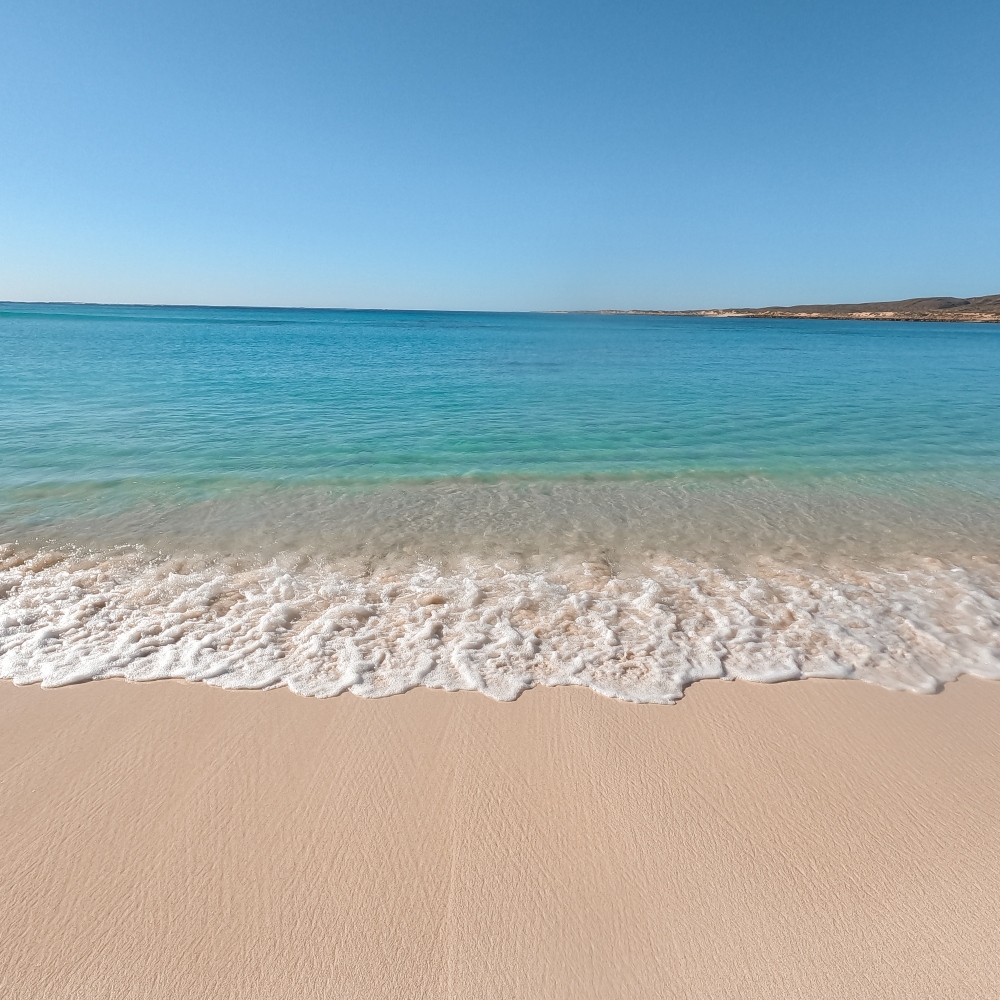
526, 312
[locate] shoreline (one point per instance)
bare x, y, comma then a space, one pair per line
887, 317
805, 840
321, 627
929, 309
781, 313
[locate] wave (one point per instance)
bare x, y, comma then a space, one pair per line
322, 627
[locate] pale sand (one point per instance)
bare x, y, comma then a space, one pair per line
811, 839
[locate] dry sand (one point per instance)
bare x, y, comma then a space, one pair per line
812, 839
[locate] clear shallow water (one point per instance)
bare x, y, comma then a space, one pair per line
171, 476
166, 398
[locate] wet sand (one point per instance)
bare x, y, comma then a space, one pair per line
809, 839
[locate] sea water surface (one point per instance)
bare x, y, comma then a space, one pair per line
368, 501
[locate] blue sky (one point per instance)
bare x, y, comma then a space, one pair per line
537, 155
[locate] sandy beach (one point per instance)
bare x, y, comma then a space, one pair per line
432, 567
809, 839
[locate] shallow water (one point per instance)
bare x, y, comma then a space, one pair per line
503, 500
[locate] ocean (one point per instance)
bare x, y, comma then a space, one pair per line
339, 500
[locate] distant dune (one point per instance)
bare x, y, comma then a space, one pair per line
940, 309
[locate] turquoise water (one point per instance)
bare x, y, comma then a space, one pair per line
174, 398
367, 501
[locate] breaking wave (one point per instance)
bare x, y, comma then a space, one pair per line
325, 626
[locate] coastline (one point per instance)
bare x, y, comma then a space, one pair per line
170, 839
886, 317
930, 309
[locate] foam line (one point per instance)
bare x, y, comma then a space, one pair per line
320, 628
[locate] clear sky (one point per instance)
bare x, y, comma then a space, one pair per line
522, 155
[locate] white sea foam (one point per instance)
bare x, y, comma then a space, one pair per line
322, 628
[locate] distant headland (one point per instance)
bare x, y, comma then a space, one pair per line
942, 309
